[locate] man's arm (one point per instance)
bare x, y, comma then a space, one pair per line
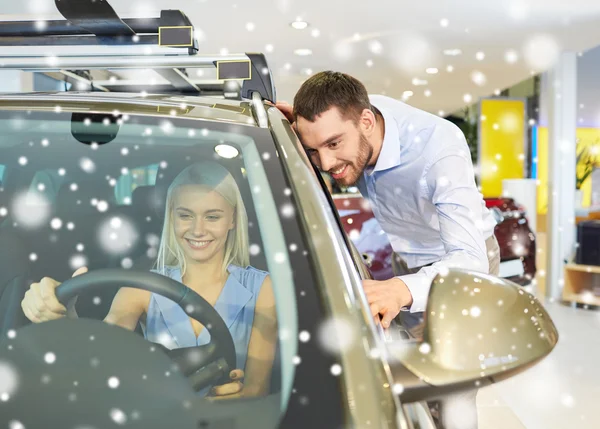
451, 185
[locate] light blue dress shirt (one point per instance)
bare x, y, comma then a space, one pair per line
169, 325
423, 193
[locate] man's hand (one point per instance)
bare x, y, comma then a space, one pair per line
387, 298
287, 110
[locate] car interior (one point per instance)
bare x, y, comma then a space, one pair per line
60, 198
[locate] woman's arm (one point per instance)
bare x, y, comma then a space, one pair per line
127, 307
263, 341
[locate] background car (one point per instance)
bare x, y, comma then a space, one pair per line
515, 238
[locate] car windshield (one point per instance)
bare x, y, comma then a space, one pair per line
129, 192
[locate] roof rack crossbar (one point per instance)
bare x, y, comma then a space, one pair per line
44, 63
62, 27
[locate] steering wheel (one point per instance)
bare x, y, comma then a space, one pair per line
203, 365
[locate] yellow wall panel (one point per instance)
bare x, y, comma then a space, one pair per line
585, 136
501, 144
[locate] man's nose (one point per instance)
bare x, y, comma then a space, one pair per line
327, 162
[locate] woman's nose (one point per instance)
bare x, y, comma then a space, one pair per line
198, 228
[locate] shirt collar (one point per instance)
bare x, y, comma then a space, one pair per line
389, 156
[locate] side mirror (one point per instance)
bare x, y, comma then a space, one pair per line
478, 329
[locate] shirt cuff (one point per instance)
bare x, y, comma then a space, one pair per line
418, 284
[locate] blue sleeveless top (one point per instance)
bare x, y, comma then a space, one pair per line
167, 323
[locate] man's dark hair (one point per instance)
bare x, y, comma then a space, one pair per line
329, 89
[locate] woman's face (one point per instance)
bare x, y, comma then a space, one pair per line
201, 219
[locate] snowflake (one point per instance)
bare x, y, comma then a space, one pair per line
279, 257
304, 336
254, 249
475, 312
31, 209
102, 206
113, 382
287, 210
118, 416
77, 261
50, 358
478, 78
336, 369
9, 378
425, 348
87, 165
336, 335
541, 52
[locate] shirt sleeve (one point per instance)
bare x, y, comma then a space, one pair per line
450, 183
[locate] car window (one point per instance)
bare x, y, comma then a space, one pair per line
76, 202
127, 183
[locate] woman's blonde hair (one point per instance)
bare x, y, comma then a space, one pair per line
214, 177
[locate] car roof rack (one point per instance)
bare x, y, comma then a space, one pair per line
166, 45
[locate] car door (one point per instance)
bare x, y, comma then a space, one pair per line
418, 414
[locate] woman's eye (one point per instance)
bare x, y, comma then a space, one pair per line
184, 216
334, 144
213, 218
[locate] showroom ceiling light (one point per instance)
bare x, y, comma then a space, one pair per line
431, 70
299, 24
303, 52
226, 151
419, 82
452, 52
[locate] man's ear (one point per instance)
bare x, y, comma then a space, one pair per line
368, 121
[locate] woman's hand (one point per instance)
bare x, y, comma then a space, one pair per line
40, 303
230, 390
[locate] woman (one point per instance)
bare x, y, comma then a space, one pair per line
204, 245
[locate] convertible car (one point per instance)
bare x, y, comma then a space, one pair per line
83, 182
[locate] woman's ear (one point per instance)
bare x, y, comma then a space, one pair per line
233, 217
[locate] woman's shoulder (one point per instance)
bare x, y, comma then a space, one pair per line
250, 277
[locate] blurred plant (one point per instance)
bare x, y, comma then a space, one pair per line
469, 127
588, 157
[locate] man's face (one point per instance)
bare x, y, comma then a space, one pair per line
336, 145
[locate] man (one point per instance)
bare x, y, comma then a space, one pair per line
416, 171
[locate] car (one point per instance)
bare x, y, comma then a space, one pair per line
84, 177
515, 237
516, 240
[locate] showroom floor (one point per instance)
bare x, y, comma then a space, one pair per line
562, 391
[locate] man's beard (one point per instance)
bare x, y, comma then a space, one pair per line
365, 153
